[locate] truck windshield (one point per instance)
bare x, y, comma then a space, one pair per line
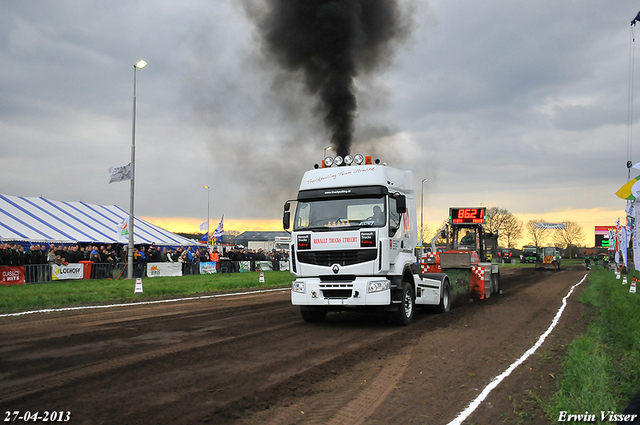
344, 213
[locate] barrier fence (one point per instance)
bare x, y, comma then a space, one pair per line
11, 275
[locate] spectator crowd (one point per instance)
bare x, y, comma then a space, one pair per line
17, 255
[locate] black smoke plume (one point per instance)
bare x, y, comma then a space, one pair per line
332, 42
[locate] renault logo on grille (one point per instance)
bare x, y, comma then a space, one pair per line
335, 268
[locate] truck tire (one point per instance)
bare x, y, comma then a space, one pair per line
495, 278
445, 299
403, 316
313, 314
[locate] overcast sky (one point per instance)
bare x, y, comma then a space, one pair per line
520, 105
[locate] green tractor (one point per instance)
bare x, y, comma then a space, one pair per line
529, 254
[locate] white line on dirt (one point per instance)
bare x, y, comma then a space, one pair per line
52, 310
498, 379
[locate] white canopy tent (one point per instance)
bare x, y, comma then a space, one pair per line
41, 220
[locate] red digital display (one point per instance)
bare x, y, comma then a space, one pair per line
467, 215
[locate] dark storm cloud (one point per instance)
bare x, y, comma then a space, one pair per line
332, 42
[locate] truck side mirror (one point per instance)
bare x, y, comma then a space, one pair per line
286, 220
401, 204
287, 206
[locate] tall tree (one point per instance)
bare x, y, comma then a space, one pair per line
512, 231
537, 235
508, 227
570, 236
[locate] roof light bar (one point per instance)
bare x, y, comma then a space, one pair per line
357, 159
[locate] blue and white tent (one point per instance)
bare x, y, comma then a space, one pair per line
41, 220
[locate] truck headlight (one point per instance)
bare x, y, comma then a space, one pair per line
297, 286
378, 285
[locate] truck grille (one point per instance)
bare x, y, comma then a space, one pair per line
336, 290
343, 257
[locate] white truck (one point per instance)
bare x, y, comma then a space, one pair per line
353, 243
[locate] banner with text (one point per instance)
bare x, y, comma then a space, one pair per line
164, 269
208, 267
11, 275
70, 271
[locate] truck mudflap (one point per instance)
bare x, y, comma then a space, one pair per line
477, 286
484, 280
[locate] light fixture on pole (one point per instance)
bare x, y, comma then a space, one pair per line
328, 148
208, 235
139, 65
422, 211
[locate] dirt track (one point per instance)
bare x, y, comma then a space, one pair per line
251, 359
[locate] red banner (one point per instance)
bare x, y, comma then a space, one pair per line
11, 275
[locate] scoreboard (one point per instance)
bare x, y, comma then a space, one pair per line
467, 215
602, 236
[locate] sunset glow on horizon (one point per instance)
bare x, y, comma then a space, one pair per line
587, 218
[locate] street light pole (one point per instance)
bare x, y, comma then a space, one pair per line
422, 211
139, 65
208, 235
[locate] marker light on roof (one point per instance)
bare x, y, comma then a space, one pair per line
338, 161
328, 161
348, 159
358, 159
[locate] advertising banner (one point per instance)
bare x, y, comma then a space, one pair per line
208, 267
263, 265
244, 266
164, 269
70, 271
11, 275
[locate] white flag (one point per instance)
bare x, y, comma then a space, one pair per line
219, 232
123, 230
118, 174
204, 226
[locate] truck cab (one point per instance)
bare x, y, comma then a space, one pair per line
352, 242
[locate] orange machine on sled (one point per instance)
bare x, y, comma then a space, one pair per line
465, 257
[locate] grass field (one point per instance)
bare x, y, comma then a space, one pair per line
602, 367
85, 292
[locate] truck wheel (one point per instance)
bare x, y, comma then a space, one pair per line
403, 316
445, 299
313, 314
495, 277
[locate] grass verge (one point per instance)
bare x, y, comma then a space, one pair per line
67, 293
601, 371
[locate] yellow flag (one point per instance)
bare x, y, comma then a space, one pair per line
625, 191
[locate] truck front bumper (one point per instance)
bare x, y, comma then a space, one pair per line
362, 292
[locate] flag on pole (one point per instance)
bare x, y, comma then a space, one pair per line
626, 191
204, 226
119, 174
123, 230
204, 238
219, 232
